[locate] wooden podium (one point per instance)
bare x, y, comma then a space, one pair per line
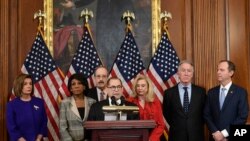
129, 130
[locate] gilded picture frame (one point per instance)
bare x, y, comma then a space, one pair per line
49, 29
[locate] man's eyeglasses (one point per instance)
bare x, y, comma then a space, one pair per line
113, 88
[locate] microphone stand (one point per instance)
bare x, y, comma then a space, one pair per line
119, 115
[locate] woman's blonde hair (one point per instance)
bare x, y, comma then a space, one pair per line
19, 82
149, 97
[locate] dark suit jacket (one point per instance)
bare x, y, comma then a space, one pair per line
184, 127
96, 112
93, 94
234, 110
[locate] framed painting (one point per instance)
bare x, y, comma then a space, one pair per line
63, 29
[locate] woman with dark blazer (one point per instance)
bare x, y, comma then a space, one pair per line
74, 110
26, 116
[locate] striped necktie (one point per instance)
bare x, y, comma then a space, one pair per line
102, 96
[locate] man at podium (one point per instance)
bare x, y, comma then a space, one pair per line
115, 98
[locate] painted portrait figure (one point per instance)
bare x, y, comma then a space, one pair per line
108, 31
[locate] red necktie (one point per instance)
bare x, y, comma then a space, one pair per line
102, 96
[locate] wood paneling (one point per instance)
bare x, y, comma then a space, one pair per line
18, 30
206, 31
239, 41
22, 32
208, 43
248, 48
4, 38
179, 27
239, 36
198, 33
202, 31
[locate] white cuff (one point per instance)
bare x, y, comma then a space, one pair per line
224, 133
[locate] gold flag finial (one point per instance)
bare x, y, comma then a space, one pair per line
165, 16
40, 15
128, 17
86, 15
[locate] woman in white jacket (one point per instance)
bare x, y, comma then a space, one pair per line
74, 110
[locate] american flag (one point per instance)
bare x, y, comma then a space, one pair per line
86, 58
128, 63
47, 79
163, 68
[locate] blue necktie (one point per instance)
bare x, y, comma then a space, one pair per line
186, 100
222, 96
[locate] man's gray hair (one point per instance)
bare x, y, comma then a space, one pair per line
185, 62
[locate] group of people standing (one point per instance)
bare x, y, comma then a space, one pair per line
186, 107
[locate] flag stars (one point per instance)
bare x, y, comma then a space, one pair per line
87, 57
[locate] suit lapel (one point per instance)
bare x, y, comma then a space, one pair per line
96, 94
86, 109
216, 98
193, 98
74, 108
178, 100
229, 96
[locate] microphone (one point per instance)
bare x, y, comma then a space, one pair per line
122, 100
113, 101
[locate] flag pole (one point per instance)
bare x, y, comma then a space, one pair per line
40, 29
128, 17
40, 15
87, 15
165, 16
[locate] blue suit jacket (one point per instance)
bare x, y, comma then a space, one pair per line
233, 112
26, 119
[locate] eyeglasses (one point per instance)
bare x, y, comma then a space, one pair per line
113, 88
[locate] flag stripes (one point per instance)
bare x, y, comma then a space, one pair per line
47, 79
49, 83
128, 63
86, 58
163, 70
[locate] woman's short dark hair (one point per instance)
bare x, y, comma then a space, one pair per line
82, 79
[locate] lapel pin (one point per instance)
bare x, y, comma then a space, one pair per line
36, 107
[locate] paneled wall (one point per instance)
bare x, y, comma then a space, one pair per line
204, 31
210, 30
4, 27
17, 33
